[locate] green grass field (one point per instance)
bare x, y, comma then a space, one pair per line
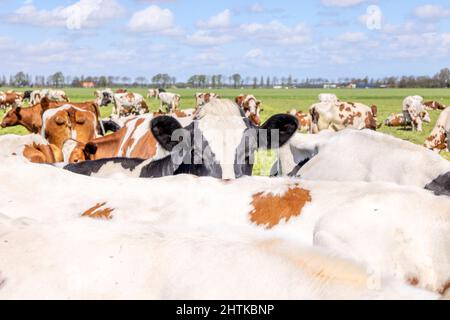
280, 101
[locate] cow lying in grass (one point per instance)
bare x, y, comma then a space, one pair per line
339, 157
438, 138
392, 231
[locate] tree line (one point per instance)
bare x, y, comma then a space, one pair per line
202, 81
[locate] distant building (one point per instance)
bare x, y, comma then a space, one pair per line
329, 86
88, 85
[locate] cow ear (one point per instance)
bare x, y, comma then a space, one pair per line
90, 148
285, 124
163, 128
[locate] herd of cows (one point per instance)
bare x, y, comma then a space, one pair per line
348, 212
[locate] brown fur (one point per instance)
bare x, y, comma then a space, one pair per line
96, 213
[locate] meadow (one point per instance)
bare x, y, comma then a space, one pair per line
280, 101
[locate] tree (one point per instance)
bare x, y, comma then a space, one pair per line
20, 80
255, 82
141, 80
236, 79
444, 78
57, 79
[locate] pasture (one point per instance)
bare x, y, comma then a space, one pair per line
280, 101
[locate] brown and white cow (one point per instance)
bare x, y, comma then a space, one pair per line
204, 97
68, 122
304, 120
167, 99
438, 138
341, 115
134, 140
434, 105
10, 99
395, 120
124, 104
251, 107
31, 117
43, 153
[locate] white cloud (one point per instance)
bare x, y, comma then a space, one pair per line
352, 37
154, 19
254, 53
221, 20
82, 14
276, 33
432, 12
341, 3
206, 38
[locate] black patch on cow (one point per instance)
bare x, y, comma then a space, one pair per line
286, 125
297, 168
27, 95
110, 126
161, 90
89, 168
163, 128
440, 185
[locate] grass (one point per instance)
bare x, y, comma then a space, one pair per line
279, 101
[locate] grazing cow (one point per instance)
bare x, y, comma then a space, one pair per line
218, 143
204, 97
328, 97
54, 95
124, 104
68, 122
10, 99
251, 107
438, 138
395, 120
393, 231
170, 100
337, 117
31, 117
415, 113
362, 156
434, 105
304, 120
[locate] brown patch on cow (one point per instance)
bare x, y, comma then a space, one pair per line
180, 114
370, 122
348, 109
130, 96
413, 281
239, 100
342, 107
97, 213
270, 209
146, 147
129, 143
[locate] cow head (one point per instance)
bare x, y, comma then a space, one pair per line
12, 117
219, 152
425, 116
153, 93
104, 98
83, 152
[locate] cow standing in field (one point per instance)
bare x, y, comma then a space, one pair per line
124, 104
415, 113
251, 107
342, 115
328, 97
438, 138
204, 97
10, 99
167, 99
304, 120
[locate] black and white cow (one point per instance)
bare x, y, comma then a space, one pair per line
220, 143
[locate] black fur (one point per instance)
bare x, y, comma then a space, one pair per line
440, 185
27, 95
88, 168
110, 126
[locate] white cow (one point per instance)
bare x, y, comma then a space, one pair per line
152, 247
359, 156
53, 95
415, 112
168, 99
204, 97
328, 97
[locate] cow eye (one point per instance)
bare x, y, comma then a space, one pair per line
81, 120
60, 121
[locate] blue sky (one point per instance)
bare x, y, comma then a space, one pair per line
312, 38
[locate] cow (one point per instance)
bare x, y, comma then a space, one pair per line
121, 90
219, 142
392, 231
31, 117
170, 100
27, 95
395, 120
438, 138
434, 105
43, 153
124, 104
415, 113
251, 107
328, 97
304, 120
13, 145
342, 115
68, 122
363, 156
204, 97
52, 95
10, 99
